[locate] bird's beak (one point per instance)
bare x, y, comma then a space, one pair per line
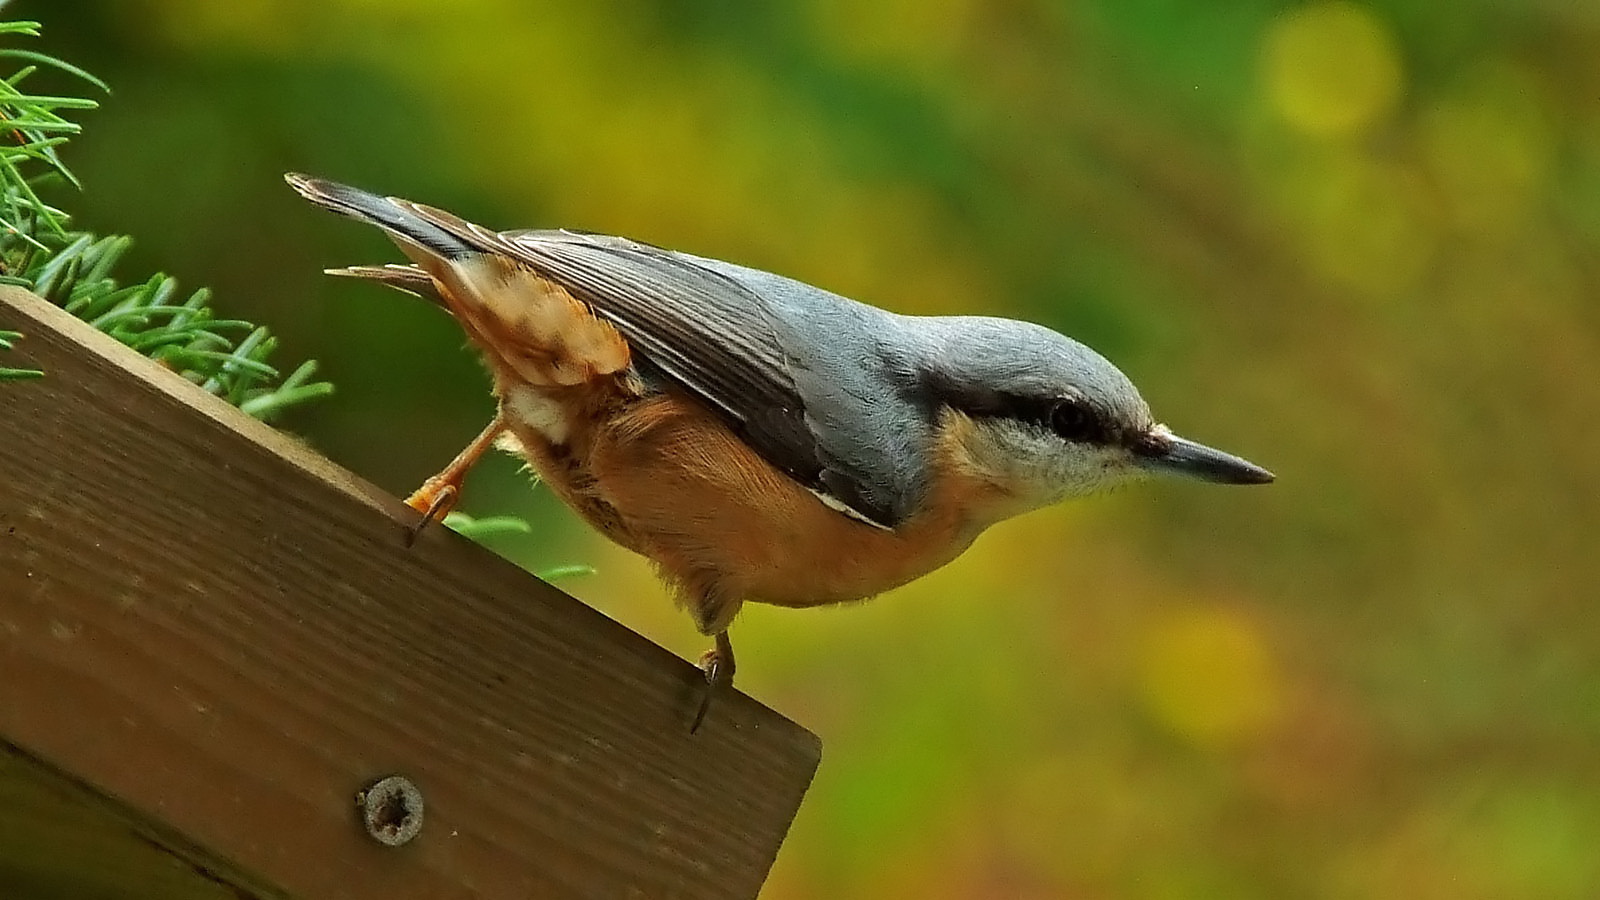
1163, 451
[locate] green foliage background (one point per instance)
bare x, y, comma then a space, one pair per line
1357, 243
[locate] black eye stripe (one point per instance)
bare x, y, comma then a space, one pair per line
1070, 418
1046, 412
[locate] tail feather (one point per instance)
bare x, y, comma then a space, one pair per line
530, 327
394, 218
411, 279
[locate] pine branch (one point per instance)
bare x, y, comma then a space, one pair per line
38, 251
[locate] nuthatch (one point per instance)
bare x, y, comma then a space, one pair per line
760, 439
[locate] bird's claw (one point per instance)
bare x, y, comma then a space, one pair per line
717, 664
434, 500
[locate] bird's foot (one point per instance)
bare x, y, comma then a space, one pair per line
718, 665
435, 499
438, 495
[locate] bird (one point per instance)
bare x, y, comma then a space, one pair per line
759, 439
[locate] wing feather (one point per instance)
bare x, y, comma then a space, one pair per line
706, 332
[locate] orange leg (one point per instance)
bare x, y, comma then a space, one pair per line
438, 495
717, 663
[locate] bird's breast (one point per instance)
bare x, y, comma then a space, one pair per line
666, 478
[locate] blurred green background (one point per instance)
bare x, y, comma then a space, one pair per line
1358, 243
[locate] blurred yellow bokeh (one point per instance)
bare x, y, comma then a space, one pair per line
1209, 676
1368, 223
1488, 145
906, 34
1331, 69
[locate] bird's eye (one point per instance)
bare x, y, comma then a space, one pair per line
1071, 420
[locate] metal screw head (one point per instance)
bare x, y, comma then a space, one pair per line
391, 810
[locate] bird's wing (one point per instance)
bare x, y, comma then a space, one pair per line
704, 331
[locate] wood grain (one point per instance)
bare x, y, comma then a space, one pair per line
224, 631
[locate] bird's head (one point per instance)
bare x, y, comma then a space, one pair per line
1045, 418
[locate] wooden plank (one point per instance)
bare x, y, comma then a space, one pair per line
224, 631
